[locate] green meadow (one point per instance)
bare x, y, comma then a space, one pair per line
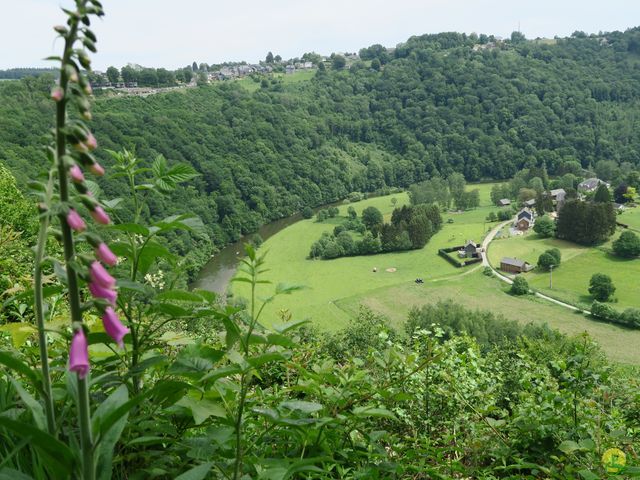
335, 289
571, 279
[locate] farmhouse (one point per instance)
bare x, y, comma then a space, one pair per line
591, 184
504, 202
513, 265
471, 249
530, 203
524, 220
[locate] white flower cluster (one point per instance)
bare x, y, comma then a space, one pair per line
156, 280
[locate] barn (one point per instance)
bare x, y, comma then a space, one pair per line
514, 265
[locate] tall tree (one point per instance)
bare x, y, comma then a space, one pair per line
269, 57
113, 75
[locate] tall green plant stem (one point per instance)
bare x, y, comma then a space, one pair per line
39, 310
84, 413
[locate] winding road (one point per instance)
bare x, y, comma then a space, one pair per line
485, 262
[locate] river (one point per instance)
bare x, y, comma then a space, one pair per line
218, 272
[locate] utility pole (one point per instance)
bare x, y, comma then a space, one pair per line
551, 276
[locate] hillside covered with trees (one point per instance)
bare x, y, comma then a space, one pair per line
436, 104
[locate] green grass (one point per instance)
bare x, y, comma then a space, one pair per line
296, 77
477, 291
336, 288
571, 279
631, 216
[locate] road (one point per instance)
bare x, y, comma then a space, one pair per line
485, 262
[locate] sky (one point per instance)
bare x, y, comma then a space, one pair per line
174, 33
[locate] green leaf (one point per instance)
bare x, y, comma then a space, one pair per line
259, 360
196, 473
131, 228
148, 440
109, 434
202, 409
373, 412
149, 254
11, 474
568, 447
19, 331
286, 327
57, 455
588, 475
19, 366
37, 412
302, 406
181, 296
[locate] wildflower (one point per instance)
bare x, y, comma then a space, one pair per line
105, 255
100, 276
113, 326
91, 143
99, 291
57, 94
76, 174
97, 169
75, 221
79, 354
100, 216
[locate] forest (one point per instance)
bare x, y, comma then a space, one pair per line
436, 106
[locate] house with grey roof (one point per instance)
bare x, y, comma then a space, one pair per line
514, 265
591, 184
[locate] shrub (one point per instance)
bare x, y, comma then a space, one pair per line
631, 317
338, 229
545, 226
605, 312
627, 245
520, 286
550, 258
307, 212
504, 215
487, 271
601, 287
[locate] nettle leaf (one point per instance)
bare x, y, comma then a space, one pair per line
94, 188
196, 360
181, 296
568, 447
131, 228
202, 409
373, 412
302, 406
19, 331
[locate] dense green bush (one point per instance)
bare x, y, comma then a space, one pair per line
601, 287
627, 245
520, 286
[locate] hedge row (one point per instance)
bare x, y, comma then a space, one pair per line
444, 253
629, 318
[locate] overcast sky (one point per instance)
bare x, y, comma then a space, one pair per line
174, 33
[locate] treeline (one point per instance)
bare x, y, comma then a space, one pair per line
436, 108
17, 73
410, 228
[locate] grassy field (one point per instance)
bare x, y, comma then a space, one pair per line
331, 280
631, 216
571, 279
296, 77
336, 288
477, 291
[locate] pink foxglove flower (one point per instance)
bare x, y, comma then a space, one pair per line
97, 169
100, 216
105, 255
91, 142
100, 276
100, 292
79, 354
113, 326
76, 174
75, 221
57, 93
